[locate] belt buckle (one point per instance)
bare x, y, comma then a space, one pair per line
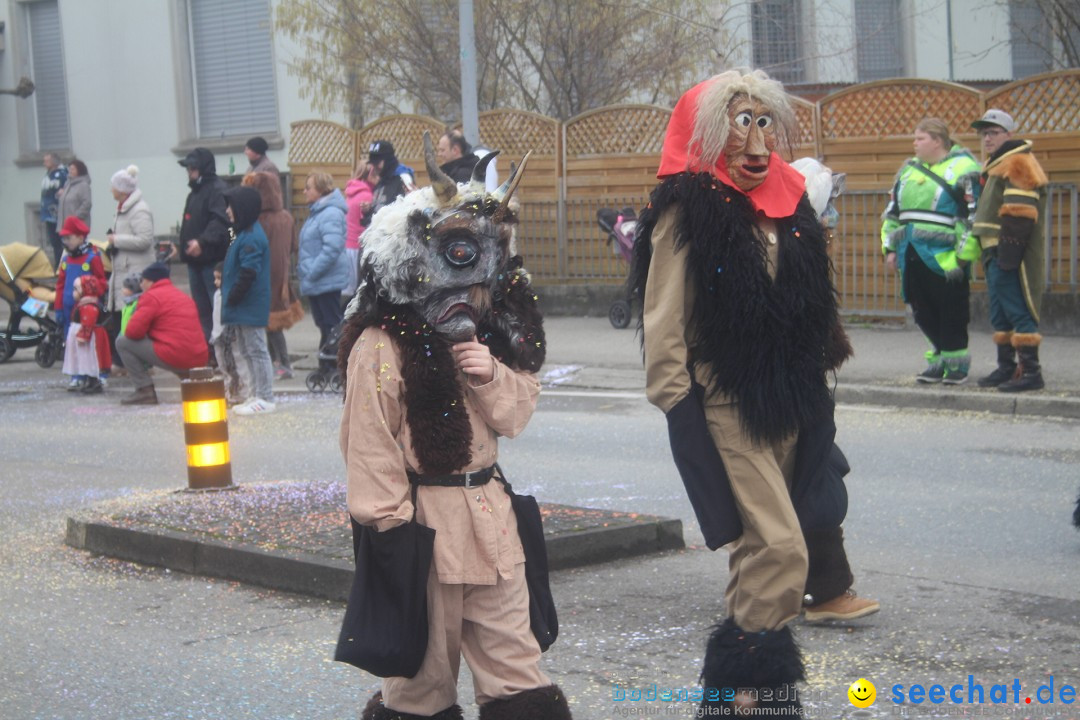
469, 476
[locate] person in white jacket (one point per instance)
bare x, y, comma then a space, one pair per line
130, 242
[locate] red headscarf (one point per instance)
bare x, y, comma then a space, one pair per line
776, 197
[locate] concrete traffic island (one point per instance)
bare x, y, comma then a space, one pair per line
294, 536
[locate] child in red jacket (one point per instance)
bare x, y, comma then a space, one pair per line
87, 358
79, 258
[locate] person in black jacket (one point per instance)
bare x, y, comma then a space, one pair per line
456, 157
204, 233
384, 173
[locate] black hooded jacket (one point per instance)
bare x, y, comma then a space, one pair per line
204, 212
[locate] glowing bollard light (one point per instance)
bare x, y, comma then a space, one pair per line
206, 430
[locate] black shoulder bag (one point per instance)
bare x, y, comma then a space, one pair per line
385, 630
542, 616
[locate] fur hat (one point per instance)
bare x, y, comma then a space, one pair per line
74, 226
155, 271
126, 180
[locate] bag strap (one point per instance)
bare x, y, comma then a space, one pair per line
413, 487
502, 478
954, 192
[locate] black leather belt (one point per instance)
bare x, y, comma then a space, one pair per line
474, 478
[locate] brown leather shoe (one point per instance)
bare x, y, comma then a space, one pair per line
845, 607
142, 396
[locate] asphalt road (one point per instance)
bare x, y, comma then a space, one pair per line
959, 524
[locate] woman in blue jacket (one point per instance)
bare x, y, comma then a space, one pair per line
322, 265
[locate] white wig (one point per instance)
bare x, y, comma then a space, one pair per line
711, 124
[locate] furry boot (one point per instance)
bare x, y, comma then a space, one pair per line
375, 710
1029, 376
1006, 361
546, 703
747, 670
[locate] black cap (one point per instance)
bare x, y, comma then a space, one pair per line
156, 271
191, 160
258, 144
381, 149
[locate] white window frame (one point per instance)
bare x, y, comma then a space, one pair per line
862, 74
796, 71
187, 97
31, 150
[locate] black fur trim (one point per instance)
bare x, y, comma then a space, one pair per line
829, 575
546, 703
769, 342
514, 331
375, 710
735, 658
1076, 514
434, 398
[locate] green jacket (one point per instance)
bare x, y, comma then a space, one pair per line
922, 214
126, 314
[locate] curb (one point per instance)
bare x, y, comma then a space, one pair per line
289, 571
959, 401
309, 574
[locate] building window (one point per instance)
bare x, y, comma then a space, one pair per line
232, 67
775, 28
878, 40
46, 55
1031, 39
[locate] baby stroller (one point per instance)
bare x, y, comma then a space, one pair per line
327, 376
23, 271
620, 227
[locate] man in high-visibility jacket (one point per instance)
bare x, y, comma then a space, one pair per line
924, 236
1010, 226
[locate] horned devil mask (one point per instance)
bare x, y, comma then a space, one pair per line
445, 251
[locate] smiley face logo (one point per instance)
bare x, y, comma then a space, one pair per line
862, 693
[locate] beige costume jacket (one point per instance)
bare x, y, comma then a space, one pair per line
476, 537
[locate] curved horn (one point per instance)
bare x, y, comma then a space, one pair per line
506, 190
445, 187
479, 173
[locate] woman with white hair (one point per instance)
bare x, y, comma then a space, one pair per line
130, 242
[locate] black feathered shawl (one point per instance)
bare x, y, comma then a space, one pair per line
433, 396
769, 342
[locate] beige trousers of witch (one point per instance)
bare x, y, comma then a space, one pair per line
769, 562
489, 624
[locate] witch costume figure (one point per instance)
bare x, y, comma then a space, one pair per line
740, 329
441, 345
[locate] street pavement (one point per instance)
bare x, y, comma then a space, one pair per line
977, 575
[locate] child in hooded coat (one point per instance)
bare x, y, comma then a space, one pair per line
87, 358
245, 291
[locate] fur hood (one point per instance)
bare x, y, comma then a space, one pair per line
269, 190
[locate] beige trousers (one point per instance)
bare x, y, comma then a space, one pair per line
769, 562
489, 624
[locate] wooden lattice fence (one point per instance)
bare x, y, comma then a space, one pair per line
608, 157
